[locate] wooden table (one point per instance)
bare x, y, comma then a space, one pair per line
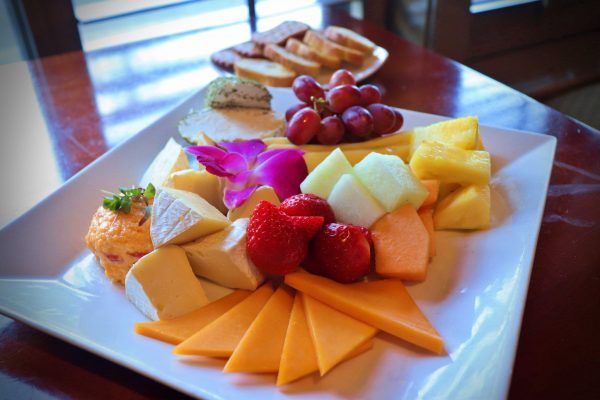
90, 102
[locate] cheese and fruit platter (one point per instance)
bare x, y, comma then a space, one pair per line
265, 241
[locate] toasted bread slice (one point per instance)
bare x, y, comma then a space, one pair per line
349, 38
319, 42
290, 60
295, 46
264, 71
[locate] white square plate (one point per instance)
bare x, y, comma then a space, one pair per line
474, 294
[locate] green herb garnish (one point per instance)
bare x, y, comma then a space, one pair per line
123, 200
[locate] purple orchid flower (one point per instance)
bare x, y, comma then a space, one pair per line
246, 165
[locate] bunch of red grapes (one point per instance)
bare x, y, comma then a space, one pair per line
345, 109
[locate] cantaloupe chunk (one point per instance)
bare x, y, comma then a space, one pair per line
221, 337
465, 208
433, 186
177, 330
260, 349
334, 334
299, 357
426, 215
401, 245
384, 304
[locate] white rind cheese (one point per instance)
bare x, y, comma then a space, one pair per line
229, 124
221, 257
162, 285
179, 217
171, 158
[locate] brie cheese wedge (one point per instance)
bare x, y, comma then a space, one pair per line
203, 183
180, 217
171, 158
162, 285
221, 257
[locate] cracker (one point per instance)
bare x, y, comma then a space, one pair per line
249, 49
281, 33
225, 58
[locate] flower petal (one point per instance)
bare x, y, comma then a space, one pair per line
235, 198
249, 149
282, 169
217, 161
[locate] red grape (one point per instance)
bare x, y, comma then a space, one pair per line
369, 94
341, 77
293, 110
305, 87
332, 130
399, 121
303, 126
383, 118
358, 121
342, 97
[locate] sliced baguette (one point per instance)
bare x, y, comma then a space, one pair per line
290, 60
349, 38
319, 42
295, 46
264, 71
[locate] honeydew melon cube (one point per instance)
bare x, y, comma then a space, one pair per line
451, 164
390, 181
460, 132
353, 204
466, 208
203, 183
325, 175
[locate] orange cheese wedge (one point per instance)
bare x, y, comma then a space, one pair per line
298, 358
260, 348
221, 337
426, 215
334, 335
433, 186
384, 304
177, 330
401, 245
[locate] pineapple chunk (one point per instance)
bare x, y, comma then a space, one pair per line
459, 132
465, 208
451, 164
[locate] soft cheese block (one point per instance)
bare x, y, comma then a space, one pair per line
245, 210
203, 183
221, 257
162, 285
171, 158
227, 124
180, 217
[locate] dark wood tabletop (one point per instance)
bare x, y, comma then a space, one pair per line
89, 102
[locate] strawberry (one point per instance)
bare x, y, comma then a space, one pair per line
276, 243
309, 225
367, 234
307, 204
340, 252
